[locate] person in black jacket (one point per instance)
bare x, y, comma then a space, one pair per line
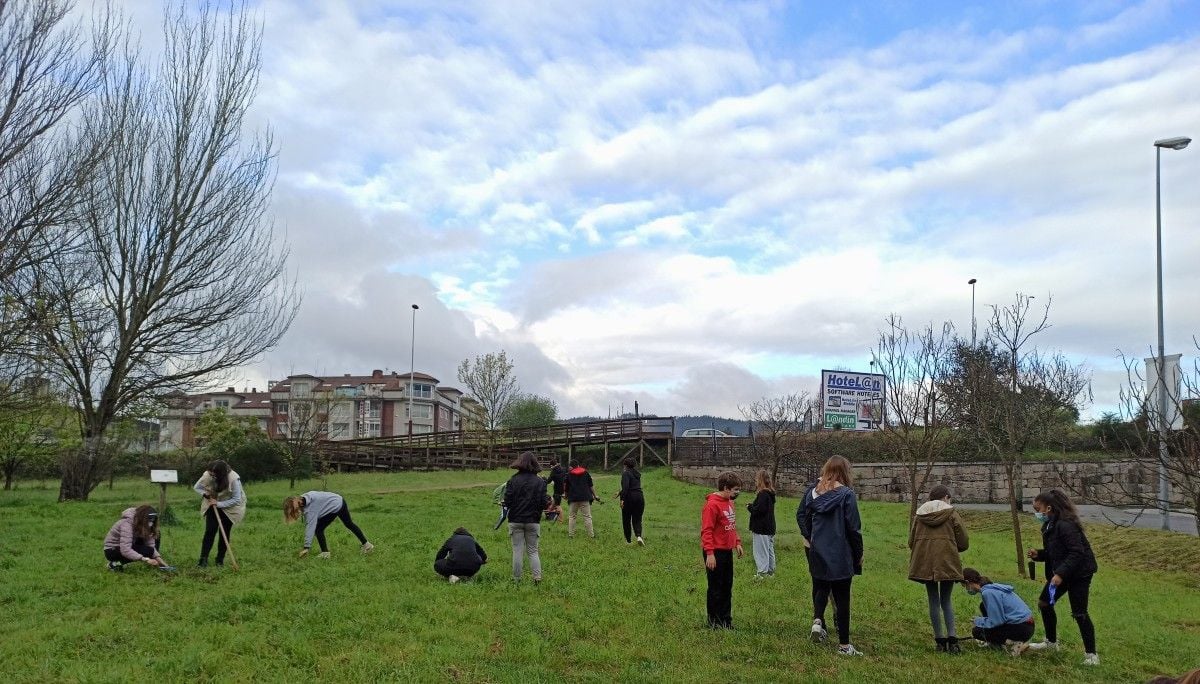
580, 495
558, 479
525, 496
1070, 565
633, 504
762, 525
460, 557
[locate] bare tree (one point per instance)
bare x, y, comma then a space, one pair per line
1007, 395
312, 418
776, 424
915, 365
177, 279
491, 381
1181, 461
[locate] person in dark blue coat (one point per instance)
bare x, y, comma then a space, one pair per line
460, 557
832, 531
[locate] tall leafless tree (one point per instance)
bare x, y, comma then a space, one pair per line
1006, 394
915, 365
178, 278
776, 424
491, 381
1180, 463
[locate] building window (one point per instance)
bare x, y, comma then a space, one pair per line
221, 403
422, 391
337, 430
281, 408
421, 411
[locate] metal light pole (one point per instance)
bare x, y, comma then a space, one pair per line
412, 367
971, 282
1164, 486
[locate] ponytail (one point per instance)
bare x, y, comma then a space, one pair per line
972, 575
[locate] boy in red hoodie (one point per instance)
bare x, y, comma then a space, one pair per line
719, 539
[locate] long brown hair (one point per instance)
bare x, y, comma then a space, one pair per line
142, 529
526, 463
1060, 503
220, 471
292, 507
762, 482
972, 575
836, 470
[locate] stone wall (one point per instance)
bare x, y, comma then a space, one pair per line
1088, 481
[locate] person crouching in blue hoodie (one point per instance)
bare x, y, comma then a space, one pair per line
1006, 620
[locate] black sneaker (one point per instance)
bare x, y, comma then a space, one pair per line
115, 566
203, 563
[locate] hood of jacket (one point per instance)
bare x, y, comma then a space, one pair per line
714, 497
935, 513
1002, 588
578, 470
127, 514
830, 500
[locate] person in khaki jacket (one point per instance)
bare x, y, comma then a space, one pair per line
936, 539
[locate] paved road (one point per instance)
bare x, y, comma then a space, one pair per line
1126, 517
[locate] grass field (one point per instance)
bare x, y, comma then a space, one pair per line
605, 612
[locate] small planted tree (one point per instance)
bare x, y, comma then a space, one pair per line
530, 410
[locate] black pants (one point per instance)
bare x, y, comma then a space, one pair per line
446, 567
998, 635
211, 533
558, 496
840, 591
1077, 590
343, 514
631, 514
720, 589
139, 545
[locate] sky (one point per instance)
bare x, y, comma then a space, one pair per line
695, 205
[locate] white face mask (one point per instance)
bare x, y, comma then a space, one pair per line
1040, 516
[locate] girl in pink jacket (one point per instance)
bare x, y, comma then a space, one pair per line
134, 539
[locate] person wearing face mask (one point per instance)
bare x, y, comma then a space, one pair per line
832, 530
1005, 619
133, 539
1070, 565
718, 540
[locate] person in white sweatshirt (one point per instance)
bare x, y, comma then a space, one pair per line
319, 510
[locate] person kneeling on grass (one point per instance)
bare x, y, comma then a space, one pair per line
460, 557
134, 538
1006, 620
319, 510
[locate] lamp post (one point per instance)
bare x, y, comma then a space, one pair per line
1164, 487
971, 282
412, 367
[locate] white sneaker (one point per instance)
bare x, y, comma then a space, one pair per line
323, 554
640, 542
367, 547
1015, 648
1042, 646
849, 650
1091, 659
818, 633
453, 579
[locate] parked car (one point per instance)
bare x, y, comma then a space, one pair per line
705, 432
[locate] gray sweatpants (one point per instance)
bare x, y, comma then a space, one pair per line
524, 538
764, 553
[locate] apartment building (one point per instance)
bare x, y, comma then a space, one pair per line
332, 407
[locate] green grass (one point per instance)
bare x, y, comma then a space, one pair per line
606, 612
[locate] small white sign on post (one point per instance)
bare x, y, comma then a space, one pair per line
164, 476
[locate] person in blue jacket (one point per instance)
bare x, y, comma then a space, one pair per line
829, 522
1005, 619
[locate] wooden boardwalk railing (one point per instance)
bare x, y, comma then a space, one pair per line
468, 449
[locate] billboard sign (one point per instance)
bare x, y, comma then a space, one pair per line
852, 401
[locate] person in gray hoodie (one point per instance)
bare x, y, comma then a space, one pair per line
319, 510
832, 530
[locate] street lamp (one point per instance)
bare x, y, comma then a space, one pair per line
1164, 487
971, 282
412, 367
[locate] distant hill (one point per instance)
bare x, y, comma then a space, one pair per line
733, 426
